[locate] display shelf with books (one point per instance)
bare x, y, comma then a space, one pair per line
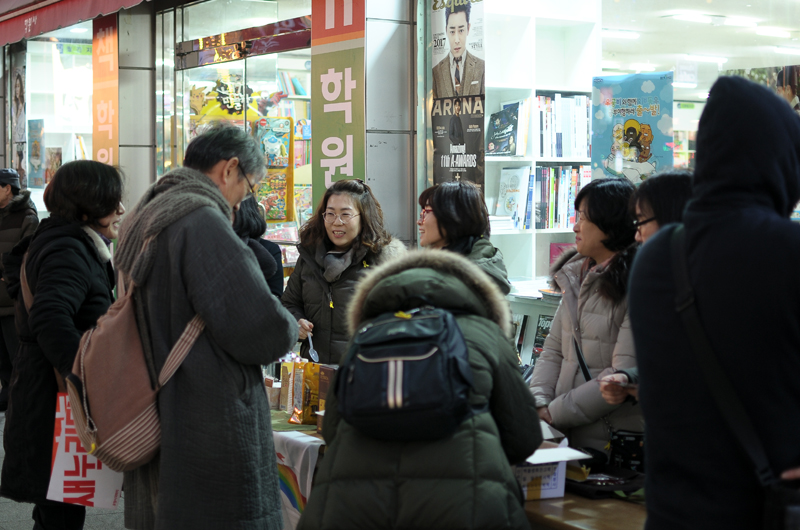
559, 58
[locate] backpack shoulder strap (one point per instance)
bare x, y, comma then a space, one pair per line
181, 349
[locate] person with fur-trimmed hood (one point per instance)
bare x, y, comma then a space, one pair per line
463, 481
593, 315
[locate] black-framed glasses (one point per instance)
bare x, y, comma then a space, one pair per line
638, 224
253, 188
344, 218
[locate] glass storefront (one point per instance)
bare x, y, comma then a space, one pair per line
50, 102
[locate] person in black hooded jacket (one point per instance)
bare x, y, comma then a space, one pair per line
69, 273
746, 184
250, 226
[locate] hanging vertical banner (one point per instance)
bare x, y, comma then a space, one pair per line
105, 99
632, 134
458, 75
36, 153
337, 92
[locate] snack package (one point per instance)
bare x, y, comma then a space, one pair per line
287, 386
310, 393
326, 373
306, 391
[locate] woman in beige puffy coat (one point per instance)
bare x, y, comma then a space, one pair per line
593, 315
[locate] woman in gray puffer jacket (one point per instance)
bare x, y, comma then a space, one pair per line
592, 318
344, 238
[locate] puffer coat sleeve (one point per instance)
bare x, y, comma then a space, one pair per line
584, 404
292, 298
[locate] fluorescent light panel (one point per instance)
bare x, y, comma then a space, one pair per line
619, 34
693, 17
773, 32
706, 59
787, 50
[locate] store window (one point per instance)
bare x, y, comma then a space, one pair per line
50, 101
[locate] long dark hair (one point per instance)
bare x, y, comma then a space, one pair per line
84, 188
608, 201
373, 235
665, 194
19, 100
461, 213
249, 221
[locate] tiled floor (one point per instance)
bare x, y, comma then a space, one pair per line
17, 516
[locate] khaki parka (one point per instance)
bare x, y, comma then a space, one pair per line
460, 482
602, 329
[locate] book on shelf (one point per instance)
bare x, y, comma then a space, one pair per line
501, 139
543, 326
501, 224
513, 192
556, 249
554, 191
563, 126
523, 110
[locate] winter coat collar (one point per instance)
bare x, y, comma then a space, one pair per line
18, 202
365, 259
103, 251
429, 277
612, 280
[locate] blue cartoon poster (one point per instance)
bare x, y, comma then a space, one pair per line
632, 125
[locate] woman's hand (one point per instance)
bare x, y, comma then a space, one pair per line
544, 414
305, 328
615, 394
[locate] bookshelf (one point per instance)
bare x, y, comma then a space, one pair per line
536, 48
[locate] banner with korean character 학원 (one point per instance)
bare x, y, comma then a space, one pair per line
77, 477
337, 93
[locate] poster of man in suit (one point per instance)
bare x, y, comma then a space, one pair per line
459, 66
458, 88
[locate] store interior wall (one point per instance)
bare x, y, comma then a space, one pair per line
137, 100
390, 111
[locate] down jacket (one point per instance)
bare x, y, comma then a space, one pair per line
69, 273
460, 482
310, 296
17, 220
602, 329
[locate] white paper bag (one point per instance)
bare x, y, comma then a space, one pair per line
77, 477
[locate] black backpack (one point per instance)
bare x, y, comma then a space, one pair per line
406, 377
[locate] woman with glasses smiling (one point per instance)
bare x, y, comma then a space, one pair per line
454, 217
338, 244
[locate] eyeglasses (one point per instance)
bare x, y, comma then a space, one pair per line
253, 188
344, 218
638, 224
581, 216
424, 213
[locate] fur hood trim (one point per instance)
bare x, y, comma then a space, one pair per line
102, 249
392, 251
612, 281
441, 261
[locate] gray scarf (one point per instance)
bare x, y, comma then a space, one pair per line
175, 195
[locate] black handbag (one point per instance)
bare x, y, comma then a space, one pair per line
627, 447
782, 502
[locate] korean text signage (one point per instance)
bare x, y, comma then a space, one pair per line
337, 92
105, 100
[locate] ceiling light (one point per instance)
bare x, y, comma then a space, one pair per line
706, 59
703, 95
740, 22
694, 17
678, 84
773, 32
619, 34
787, 51
643, 67
78, 30
609, 65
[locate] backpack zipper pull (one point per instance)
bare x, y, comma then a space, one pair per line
330, 299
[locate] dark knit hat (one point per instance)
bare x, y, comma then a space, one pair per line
9, 176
